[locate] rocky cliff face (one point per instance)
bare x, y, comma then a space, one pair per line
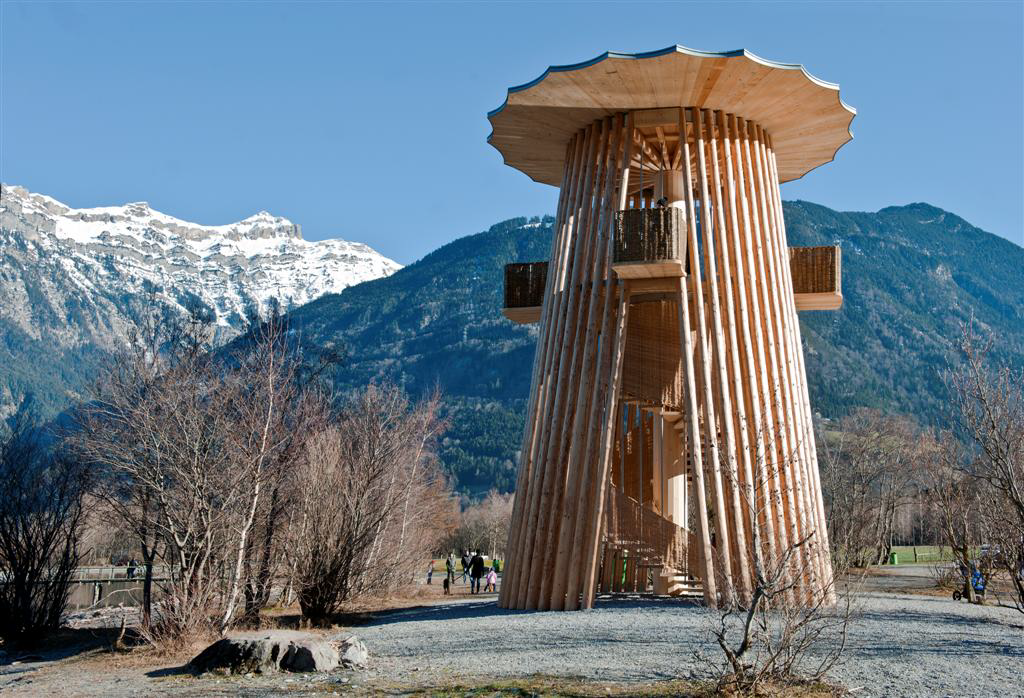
72, 281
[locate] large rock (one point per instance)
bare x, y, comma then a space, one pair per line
353, 653
267, 654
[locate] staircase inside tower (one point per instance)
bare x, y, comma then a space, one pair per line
648, 546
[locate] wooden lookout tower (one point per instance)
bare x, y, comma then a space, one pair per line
668, 444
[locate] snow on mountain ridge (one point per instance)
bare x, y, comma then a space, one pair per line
60, 257
85, 224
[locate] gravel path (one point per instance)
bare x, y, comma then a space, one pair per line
899, 645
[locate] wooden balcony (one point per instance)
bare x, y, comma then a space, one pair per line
524, 291
650, 243
816, 271
817, 277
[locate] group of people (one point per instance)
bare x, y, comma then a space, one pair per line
474, 568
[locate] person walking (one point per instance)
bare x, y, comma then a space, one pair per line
466, 560
430, 573
491, 579
449, 566
476, 571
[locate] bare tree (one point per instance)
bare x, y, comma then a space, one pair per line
271, 411
41, 520
868, 463
956, 501
191, 448
372, 500
989, 412
483, 526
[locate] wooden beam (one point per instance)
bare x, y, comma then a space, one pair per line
573, 153
726, 362
707, 560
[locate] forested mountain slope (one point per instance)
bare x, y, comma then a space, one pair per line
911, 275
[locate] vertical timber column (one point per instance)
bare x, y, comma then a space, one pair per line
601, 427
720, 294
569, 383
518, 564
573, 150
808, 573
582, 199
817, 505
795, 457
576, 429
756, 485
691, 287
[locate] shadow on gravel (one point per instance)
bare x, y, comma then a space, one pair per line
64, 644
966, 648
169, 671
938, 618
490, 609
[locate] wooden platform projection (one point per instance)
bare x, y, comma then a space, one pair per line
817, 282
668, 424
524, 291
649, 243
815, 270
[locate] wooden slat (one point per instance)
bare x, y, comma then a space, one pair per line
584, 404
707, 560
572, 154
705, 345
757, 490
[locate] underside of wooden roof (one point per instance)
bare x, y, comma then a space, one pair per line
804, 116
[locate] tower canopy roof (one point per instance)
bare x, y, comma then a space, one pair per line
805, 117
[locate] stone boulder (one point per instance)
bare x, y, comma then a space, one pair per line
267, 654
353, 653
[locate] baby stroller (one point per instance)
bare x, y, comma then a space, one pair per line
976, 580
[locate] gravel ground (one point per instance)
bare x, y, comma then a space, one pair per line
899, 645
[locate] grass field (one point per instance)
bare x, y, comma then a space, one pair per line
917, 554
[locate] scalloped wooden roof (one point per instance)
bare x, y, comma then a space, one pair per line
805, 117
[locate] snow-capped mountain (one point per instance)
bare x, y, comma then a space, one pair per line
72, 278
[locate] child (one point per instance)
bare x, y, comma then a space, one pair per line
492, 580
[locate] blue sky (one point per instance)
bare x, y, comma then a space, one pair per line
368, 121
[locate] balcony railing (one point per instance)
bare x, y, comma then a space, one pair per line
524, 291
817, 277
649, 243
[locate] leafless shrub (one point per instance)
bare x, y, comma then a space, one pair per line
371, 501
271, 411
41, 516
791, 630
779, 639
